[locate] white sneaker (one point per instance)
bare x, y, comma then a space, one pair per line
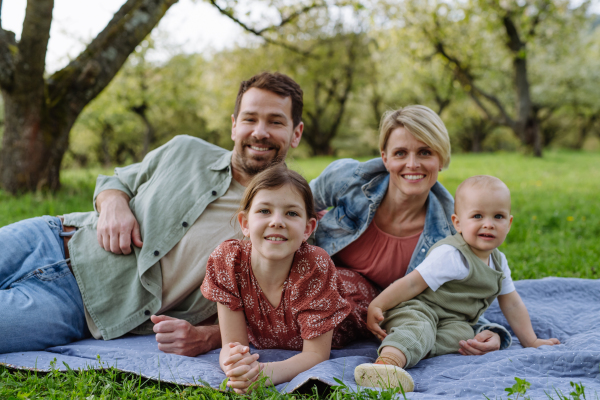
383, 376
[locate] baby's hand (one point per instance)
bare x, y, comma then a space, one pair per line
546, 342
374, 317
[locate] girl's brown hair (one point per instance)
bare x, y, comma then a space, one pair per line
275, 177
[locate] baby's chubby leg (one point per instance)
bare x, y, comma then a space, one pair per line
411, 336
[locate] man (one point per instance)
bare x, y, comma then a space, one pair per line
137, 261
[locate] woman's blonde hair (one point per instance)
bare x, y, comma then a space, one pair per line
423, 123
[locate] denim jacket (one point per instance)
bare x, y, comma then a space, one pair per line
355, 190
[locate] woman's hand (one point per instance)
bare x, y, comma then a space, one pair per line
374, 317
484, 342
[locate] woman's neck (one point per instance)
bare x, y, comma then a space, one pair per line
400, 215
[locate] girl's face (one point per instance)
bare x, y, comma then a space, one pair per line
277, 223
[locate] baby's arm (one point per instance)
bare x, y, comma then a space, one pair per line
402, 290
517, 316
314, 351
235, 359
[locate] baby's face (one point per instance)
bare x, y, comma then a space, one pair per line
483, 217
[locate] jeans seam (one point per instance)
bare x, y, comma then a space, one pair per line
36, 274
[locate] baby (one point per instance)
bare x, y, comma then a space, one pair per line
427, 313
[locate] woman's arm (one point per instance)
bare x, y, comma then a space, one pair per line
517, 316
314, 351
402, 290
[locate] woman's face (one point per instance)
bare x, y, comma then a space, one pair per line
412, 164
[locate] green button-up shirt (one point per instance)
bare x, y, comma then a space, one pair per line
169, 190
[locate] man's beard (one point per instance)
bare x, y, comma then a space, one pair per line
255, 164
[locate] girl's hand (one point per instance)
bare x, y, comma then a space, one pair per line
240, 361
241, 384
545, 342
374, 317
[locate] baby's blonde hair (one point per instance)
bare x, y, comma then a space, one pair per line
481, 182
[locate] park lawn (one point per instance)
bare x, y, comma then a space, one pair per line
555, 232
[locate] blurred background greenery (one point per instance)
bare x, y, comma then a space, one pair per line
356, 60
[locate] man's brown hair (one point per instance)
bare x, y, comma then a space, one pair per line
277, 83
274, 177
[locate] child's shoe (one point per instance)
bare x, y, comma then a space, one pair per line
383, 376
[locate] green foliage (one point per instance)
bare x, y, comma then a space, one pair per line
518, 389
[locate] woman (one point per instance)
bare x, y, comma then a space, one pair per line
388, 212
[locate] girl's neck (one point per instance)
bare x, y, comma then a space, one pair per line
271, 274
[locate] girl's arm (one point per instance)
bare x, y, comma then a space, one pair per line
517, 316
235, 359
402, 290
314, 351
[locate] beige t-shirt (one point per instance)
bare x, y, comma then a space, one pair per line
184, 267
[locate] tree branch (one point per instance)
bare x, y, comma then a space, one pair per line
94, 68
30, 63
464, 76
261, 32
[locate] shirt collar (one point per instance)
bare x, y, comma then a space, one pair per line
222, 162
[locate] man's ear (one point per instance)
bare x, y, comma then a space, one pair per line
297, 135
243, 221
232, 127
311, 225
456, 223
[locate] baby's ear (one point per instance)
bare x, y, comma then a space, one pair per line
311, 225
510, 220
456, 222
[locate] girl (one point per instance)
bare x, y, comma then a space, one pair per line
275, 290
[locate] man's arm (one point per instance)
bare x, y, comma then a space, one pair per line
178, 336
117, 227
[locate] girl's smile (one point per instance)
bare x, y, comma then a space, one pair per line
277, 225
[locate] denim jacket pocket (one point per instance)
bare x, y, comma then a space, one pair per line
343, 220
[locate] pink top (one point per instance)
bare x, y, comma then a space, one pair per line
316, 298
379, 256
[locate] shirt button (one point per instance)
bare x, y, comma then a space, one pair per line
147, 312
214, 192
156, 252
422, 250
184, 224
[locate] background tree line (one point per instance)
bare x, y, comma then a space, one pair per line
504, 75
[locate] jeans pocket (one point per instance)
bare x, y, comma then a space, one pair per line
51, 272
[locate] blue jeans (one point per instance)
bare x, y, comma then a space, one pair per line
40, 302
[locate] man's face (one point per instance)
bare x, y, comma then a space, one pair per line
263, 131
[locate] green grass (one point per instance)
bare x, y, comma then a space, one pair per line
555, 233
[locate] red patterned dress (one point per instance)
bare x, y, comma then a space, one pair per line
317, 297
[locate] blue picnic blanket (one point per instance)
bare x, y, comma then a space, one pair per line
565, 308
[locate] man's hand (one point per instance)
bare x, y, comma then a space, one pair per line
484, 342
374, 317
117, 226
180, 337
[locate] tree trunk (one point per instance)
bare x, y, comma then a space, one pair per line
39, 112
34, 143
